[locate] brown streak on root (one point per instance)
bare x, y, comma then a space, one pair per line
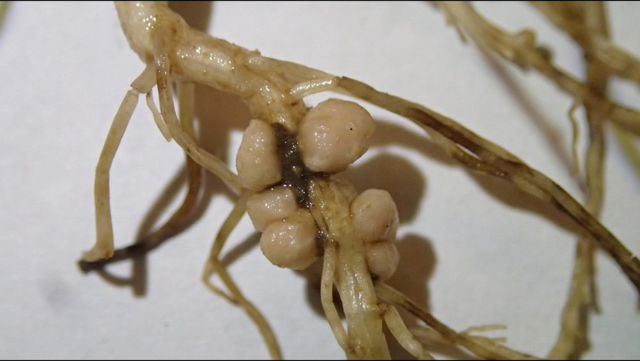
497, 164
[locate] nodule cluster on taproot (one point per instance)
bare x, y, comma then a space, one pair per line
332, 135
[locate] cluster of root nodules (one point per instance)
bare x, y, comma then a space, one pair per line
280, 165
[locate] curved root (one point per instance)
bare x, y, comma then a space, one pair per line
275, 91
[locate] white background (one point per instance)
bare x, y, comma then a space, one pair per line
477, 252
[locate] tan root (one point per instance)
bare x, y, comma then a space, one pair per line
175, 53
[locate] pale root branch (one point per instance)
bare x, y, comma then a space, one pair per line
103, 247
365, 339
229, 225
326, 297
575, 127
184, 214
485, 328
252, 311
482, 348
163, 74
400, 331
304, 89
214, 265
157, 118
195, 175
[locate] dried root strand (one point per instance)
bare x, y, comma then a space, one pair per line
573, 340
569, 17
599, 52
521, 50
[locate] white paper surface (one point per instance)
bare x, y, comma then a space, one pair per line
477, 253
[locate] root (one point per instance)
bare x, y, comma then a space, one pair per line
183, 215
521, 50
575, 171
573, 339
365, 339
195, 175
483, 348
304, 89
403, 335
157, 118
274, 90
199, 155
569, 17
485, 157
235, 296
103, 247
326, 296
629, 147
